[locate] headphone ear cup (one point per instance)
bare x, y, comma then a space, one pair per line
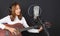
10, 10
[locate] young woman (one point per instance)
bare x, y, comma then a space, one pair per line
15, 16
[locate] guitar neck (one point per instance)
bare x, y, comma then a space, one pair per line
25, 29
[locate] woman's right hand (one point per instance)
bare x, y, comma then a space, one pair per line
12, 30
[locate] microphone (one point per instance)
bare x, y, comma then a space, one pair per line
35, 12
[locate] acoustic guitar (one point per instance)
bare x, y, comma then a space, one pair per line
18, 26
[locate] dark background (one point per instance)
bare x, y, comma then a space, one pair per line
50, 9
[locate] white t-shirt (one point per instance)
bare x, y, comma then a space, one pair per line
22, 21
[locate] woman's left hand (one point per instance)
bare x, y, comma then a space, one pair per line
40, 29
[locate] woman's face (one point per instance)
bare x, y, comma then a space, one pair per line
17, 10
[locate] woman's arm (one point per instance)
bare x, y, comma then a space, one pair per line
31, 30
3, 20
2, 26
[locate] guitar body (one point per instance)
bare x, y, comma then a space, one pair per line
7, 33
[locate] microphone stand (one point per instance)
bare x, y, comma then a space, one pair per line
43, 25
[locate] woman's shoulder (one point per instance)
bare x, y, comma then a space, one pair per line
8, 16
23, 17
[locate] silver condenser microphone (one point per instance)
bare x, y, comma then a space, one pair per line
36, 11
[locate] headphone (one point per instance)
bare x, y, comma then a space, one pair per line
10, 10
